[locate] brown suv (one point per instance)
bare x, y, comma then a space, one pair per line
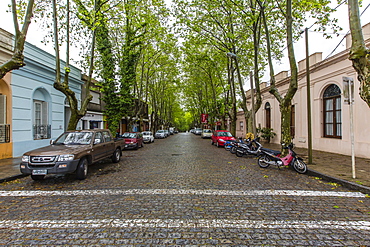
73, 151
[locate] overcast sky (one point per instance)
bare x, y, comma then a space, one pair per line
317, 43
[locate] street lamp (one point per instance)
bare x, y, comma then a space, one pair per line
234, 56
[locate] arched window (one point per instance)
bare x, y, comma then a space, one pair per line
332, 112
41, 109
268, 115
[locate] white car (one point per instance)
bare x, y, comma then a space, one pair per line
148, 137
160, 134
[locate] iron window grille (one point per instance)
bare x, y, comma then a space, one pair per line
41, 131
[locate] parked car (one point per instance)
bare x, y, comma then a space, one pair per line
148, 137
160, 134
167, 133
206, 133
133, 140
198, 131
72, 152
219, 137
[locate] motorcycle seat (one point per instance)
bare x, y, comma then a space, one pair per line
274, 152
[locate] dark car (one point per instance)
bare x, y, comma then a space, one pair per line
219, 137
133, 140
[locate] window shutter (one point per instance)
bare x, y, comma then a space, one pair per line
2, 109
44, 113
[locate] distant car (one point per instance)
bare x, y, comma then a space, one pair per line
167, 133
148, 137
206, 133
133, 140
198, 131
160, 134
219, 137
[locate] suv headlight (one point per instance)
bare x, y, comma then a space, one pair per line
66, 157
222, 140
25, 158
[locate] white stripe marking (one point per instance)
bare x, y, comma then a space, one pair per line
174, 223
184, 192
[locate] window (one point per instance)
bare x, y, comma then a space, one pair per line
107, 136
99, 136
2, 109
241, 125
332, 112
96, 97
292, 122
268, 115
42, 130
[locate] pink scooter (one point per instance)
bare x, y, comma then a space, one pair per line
271, 157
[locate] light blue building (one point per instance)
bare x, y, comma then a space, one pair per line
39, 112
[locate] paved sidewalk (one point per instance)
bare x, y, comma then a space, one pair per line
331, 167
336, 168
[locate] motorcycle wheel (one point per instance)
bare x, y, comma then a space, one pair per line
299, 166
233, 150
239, 152
263, 161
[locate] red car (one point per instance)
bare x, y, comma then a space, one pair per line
133, 140
219, 137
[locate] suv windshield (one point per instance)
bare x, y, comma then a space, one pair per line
75, 138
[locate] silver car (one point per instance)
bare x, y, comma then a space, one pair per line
198, 131
160, 134
148, 136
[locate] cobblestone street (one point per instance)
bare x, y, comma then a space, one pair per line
183, 191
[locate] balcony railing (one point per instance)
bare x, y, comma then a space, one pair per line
42, 131
4, 133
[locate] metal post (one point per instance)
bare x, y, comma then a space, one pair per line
350, 82
309, 123
252, 98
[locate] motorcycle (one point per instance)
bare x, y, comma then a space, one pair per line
232, 145
271, 157
251, 147
229, 144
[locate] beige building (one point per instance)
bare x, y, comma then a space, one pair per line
330, 112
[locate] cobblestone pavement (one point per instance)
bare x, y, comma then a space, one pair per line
183, 191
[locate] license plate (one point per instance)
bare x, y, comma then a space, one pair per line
39, 172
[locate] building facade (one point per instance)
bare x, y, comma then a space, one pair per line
6, 146
32, 110
330, 118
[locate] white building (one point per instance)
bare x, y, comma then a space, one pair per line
330, 114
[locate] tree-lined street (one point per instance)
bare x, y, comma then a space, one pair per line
183, 191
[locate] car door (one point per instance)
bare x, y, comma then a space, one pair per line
109, 143
99, 148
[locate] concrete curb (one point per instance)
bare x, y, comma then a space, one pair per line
344, 183
11, 178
